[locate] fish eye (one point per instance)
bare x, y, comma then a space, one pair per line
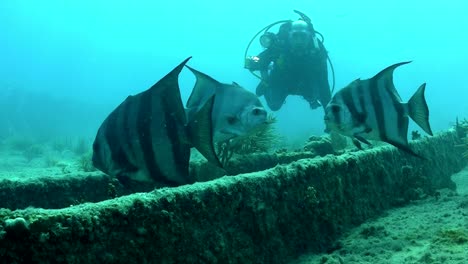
256, 111
231, 120
335, 108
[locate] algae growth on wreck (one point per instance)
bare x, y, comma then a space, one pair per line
461, 129
284, 191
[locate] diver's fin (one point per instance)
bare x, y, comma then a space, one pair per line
303, 16
201, 132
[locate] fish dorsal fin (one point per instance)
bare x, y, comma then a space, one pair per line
389, 70
169, 91
204, 88
201, 132
235, 84
170, 78
387, 75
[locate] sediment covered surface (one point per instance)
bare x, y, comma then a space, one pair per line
262, 217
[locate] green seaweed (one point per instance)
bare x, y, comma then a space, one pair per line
81, 147
51, 161
33, 151
62, 144
85, 162
452, 236
262, 139
465, 144
461, 128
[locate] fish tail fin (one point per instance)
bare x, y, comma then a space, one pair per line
200, 130
418, 110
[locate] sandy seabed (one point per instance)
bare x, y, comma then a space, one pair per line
433, 230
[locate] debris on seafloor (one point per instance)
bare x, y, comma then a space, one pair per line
415, 135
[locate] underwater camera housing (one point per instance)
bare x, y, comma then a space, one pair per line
267, 39
251, 63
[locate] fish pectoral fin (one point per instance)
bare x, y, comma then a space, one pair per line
357, 143
362, 139
405, 148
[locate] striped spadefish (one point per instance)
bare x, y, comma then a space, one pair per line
374, 104
146, 136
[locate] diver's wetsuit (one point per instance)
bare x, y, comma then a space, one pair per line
303, 74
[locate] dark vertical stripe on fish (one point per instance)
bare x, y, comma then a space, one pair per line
401, 119
349, 102
178, 150
362, 100
338, 115
125, 127
118, 155
143, 125
378, 107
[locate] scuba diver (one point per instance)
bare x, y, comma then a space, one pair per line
294, 62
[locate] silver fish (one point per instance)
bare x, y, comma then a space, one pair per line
147, 137
371, 109
236, 111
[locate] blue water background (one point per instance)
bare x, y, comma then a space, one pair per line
96, 53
